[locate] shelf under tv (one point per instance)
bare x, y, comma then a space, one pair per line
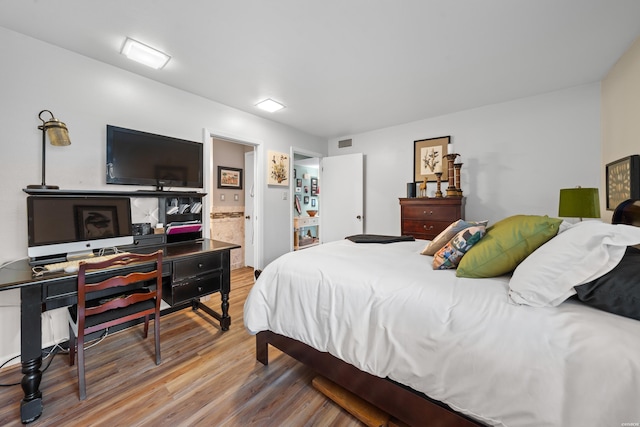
132, 193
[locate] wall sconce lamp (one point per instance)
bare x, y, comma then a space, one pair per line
579, 203
58, 135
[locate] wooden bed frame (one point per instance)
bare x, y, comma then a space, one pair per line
401, 402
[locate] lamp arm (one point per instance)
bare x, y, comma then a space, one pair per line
44, 146
44, 142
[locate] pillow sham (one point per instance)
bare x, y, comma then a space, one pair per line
506, 244
448, 233
617, 291
450, 254
584, 252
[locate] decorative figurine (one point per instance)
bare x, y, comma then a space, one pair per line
423, 188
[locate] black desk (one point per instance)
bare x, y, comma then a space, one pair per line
190, 270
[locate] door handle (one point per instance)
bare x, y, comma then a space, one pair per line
247, 217
359, 218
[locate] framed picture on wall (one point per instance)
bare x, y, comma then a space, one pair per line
313, 202
429, 158
622, 180
229, 177
278, 168
314, 186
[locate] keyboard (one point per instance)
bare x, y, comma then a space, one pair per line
72, 265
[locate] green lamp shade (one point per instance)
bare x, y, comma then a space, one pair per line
579, 203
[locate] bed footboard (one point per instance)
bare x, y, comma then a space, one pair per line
401, 402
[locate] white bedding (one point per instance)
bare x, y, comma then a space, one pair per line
383, 309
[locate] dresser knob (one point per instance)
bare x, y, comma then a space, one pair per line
428, 228
200, 265
430, 213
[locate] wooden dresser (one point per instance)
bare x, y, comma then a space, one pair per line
425, 217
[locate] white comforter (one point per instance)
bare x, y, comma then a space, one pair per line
383, 309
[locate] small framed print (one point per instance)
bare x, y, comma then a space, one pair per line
622, 180
429, 158
306, 200
229, 177
278, 168
314, 186
313, 202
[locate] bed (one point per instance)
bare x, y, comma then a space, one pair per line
544, 344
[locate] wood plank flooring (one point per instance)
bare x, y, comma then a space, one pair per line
207, 378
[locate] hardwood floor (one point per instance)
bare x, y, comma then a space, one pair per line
207, 378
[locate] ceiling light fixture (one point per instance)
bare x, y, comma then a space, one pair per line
144, 54
270, 105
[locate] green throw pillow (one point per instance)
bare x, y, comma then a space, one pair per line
506, 244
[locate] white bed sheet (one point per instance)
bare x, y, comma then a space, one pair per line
383, 309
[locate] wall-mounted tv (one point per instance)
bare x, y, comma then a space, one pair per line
141, 158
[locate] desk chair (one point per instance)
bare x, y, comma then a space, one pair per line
102, 305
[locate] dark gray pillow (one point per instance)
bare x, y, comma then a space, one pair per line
618, 291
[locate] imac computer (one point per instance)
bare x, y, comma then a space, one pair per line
62, 227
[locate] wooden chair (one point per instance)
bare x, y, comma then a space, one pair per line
113, 301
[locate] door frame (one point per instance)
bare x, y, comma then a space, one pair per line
292, 152
258, 170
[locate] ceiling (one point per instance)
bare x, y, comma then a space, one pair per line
347, 66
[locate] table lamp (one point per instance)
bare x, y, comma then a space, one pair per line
58, 135
579, 203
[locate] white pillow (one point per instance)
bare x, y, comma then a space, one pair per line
584, 252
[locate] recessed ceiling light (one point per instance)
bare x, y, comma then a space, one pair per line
144, 54
270, 105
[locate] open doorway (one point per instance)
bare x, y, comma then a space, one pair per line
305, 192
233, 195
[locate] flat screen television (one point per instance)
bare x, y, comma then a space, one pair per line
64, 226
141, 158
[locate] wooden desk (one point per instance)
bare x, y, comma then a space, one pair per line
190, 270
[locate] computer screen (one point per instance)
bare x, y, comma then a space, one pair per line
67, 225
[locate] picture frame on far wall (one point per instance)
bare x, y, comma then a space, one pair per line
278, 168
622, 180
229, 177
429, 158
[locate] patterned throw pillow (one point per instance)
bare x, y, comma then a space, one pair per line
450, 254
447, 234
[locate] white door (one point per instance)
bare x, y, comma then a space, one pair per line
341, 196
249, 217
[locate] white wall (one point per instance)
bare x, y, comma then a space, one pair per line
516, 156
87, 95
621, 110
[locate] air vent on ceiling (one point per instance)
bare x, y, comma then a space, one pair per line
345, 143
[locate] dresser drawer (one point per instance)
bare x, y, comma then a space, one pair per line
423, 227
196, 266
438, 213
